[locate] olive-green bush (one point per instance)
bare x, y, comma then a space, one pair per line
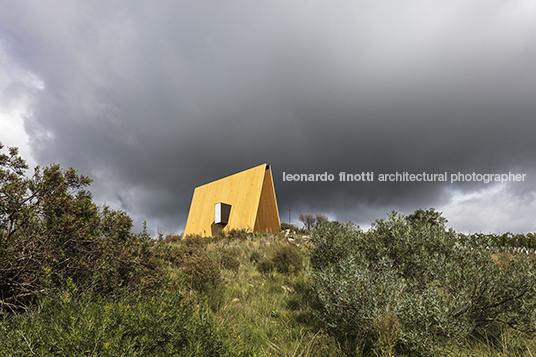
434, 287
287, 259
229, 260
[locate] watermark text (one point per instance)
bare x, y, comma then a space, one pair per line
405, 177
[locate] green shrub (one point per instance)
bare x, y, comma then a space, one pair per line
287, 259
440, 289
265, 266
332, 242
230, 261
172, 253
179, 256
203, 275
122, 268
285, 226
196, 240
51, 231
167, 324
173, 238
203, 272
322, 345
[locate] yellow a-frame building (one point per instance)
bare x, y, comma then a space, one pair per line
245, 200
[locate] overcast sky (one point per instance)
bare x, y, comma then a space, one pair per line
154, 98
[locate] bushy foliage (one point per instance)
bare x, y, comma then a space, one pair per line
176, 255
87, 285
332, 242
287, 259
172, 238
285, 226
511, 242
416, 287
426, 216
124, 268
292, 228
229, 260
203, 275
167, 324
232, 234
51, 231
203, 272
200, 270
196, 240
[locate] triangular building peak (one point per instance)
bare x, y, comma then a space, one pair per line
245, 200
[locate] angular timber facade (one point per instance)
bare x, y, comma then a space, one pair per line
245, 200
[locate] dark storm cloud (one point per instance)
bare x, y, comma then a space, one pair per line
154, 99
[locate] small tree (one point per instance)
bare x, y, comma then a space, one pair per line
288, 259
321, 219
312, 221
308, 220
428, 216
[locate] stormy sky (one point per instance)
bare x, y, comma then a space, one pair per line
154, 98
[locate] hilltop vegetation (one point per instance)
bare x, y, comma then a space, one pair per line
74, 280
417, 288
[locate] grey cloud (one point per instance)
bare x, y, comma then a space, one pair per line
154, 99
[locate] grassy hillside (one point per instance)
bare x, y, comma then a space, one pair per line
249, 300
75, 281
